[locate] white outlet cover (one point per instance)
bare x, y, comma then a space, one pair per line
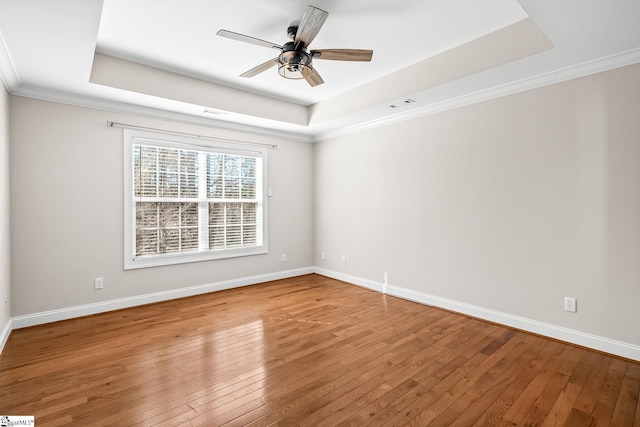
570, 304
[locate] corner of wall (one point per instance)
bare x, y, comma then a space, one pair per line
4, 335
5, 234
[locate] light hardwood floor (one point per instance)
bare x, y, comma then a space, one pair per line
306, 351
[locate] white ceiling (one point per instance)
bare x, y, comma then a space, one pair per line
182, 35
162, 57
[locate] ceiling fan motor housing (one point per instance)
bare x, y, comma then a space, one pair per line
292, 61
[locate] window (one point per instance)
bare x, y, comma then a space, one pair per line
191, 200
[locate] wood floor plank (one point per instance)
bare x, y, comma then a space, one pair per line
427, 375
434, 376
627, 401
320, 382
306, 351
334, 409
528, 396
467, 410
636, 421
557, 381
609, 394
462, 384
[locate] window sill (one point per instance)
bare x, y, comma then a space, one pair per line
162, 260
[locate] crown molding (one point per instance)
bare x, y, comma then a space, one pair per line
14, 86
8, 73
150, 112
607, 63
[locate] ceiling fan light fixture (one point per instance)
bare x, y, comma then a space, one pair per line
291, 64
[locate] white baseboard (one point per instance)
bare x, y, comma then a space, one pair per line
618, 348
4, 335
606, 345
117, 304
354, 280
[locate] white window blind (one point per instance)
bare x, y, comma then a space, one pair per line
186, 201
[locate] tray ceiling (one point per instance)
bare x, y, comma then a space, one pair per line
164, 56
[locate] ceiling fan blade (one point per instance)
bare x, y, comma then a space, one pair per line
343, 54
311, 76
260, 68
310, 24
248, 39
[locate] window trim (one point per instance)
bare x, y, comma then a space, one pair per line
131, 137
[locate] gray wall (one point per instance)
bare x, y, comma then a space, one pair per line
509, 205
5, 273
67, 210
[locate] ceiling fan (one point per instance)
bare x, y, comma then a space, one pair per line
295, 61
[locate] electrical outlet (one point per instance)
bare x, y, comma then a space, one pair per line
343, 259
570, 304
98, 283
284, 257
322, 255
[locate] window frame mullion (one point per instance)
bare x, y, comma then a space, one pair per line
203, 203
